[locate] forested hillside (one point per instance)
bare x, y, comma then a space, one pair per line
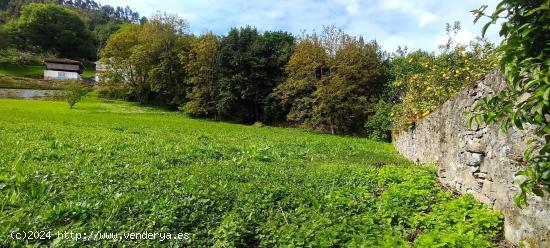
80, 30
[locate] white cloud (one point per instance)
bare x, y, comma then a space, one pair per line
352, 6
419, 24
463, 37
426, 18
393, 42
415, 8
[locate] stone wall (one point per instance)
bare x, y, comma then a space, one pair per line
481, 161
30, 93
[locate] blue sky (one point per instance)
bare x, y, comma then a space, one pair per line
414, 23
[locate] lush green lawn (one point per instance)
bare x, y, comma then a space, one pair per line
34, 71
118, 167
30, 71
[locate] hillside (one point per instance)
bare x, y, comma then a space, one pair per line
116, 167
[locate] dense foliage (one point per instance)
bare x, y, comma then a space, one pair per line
332, 81
74, 91
525, 62
378, 126
116, 167
52, 29
145, 58
423, 81
100, 21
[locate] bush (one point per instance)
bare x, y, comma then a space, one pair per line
378, 126
113, 92
427, 80
74, 92
17, 57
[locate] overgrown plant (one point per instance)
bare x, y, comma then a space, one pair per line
424, 81
74, 93
525, 62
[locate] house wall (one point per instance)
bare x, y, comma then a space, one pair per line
61, 75
481, 161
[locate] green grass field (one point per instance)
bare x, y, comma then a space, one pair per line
116, 167
29, 71
34, 71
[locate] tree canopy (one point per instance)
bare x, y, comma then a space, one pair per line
51, 28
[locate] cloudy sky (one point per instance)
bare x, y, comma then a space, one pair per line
414, 23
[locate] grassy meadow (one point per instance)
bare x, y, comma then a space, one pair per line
117, 167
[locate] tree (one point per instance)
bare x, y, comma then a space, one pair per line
342, 102
74, 93
305, 71
145, 58
51, 28
241, 75
525, 62
378, 125
276, 48
233, 76
201, 65
331, 79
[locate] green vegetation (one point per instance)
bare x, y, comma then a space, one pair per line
525, 62
116, 167
29, 83
423, 81
331, 78
66, 28
89, 72
51, 28
35, 71
28, 71
74, 91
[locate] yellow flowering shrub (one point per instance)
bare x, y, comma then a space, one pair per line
427, 80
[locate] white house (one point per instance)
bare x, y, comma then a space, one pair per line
63, 69
100, 68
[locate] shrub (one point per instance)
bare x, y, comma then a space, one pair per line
17, 57
113, 92
74, 92
378, 126
428, 80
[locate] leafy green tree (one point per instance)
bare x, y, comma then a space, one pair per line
167, 79
378, 125
250, 67
275, 49
118, 58
331, 80
342, 102
201, 65
145, 58
241, 75
104, 31
525, 62
74, 93
305, 70
51, 28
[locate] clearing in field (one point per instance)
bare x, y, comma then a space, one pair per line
115, 167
